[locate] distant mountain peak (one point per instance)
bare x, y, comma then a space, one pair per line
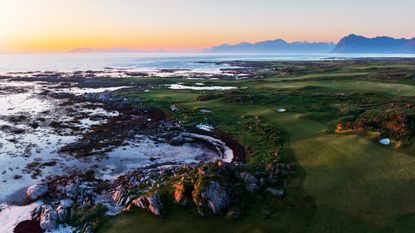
274, 46
381, 44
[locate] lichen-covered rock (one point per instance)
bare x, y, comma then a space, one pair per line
48, 218
151, 202
155, 205
140, 202
36, 191
182, 190
121, 196
179, 196
118, 195
213, 196
251, 183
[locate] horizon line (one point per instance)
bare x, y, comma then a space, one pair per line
166, 50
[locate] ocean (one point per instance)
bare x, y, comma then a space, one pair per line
150, 62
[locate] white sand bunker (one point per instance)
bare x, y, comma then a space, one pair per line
199, 88
385, 141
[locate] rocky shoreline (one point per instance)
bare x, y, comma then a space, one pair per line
105, 122
214, 188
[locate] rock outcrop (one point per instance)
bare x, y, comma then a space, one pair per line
48, 218
183, 190
214, 196
150, 202
252, 184
36, 191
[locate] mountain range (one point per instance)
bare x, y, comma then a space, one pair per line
273, 46
348, 44
383, 44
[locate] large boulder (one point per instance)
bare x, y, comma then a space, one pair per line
150, 202
214, 196
155, 205
251, 183
48, 218
36, 191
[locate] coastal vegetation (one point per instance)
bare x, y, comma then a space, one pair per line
336, 111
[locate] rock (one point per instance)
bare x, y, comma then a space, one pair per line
75, 146
214, 197
120, 196
117, 195
179, 193
251, 183
36, 191
140, 202
233, 214
173, 107
182, 190
177, 140
204, 171
155, 205
34, 125
275, 192
88, 228
35, 215
48, 218
66, 203
62, 214
151, 202
71, 190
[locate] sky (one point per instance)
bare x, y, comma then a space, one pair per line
60, 25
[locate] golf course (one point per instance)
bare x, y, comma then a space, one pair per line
344, 181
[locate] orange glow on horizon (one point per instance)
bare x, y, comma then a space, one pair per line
63, 43
59, 26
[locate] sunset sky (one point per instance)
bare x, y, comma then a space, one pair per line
59, 25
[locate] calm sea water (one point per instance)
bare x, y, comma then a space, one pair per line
145, 62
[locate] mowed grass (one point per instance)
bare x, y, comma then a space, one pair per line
400, 89
356, 184
181, 220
